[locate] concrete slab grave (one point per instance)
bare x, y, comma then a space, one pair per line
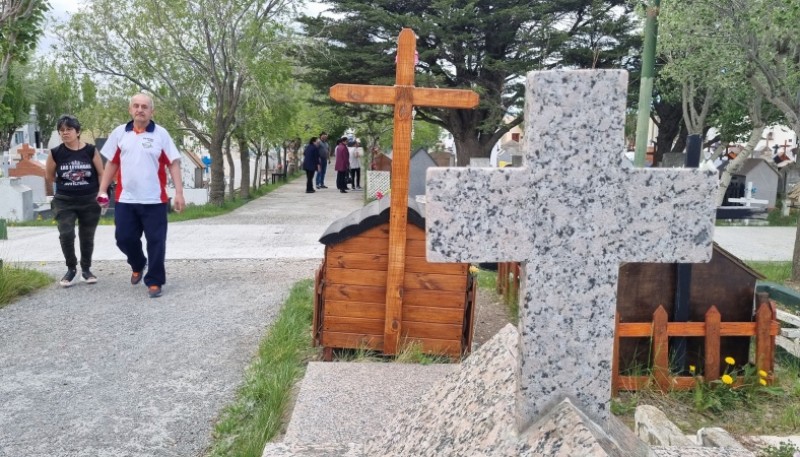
571, 223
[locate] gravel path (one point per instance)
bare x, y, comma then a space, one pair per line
102, 370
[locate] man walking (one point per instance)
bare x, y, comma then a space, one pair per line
139, 154
324, 160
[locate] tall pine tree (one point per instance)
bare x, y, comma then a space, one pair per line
483, 45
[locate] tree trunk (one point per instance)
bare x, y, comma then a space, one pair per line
796, 255
670, 117
216, 194
467, 146
737, 163
244, 159
229, 158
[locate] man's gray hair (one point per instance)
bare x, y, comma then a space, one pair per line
144, 94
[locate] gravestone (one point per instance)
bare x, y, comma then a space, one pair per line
16, 200
32, 172
480, 162
571, 224
420, 162
6, 165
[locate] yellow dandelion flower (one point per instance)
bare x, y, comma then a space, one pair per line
730, 361
692, 369
473, 269
726, 378
762, 381
762, 373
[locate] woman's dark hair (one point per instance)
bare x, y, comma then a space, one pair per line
68, 122
312, 140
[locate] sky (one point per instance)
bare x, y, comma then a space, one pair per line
61, 9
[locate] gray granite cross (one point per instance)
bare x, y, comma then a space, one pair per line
571, 214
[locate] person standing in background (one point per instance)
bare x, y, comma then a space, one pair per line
324, 160
342, 164
311, 163
356, 153
76, 169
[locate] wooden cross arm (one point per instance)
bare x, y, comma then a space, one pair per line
422, 96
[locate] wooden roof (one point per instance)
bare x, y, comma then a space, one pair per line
371, 215
736, 261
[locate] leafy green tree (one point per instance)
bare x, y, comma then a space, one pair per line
55, 92
15, 109
193, 56
20, 26
483, 45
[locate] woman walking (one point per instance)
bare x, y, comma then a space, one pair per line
342, 165
76, 169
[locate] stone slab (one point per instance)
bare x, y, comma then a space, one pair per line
346, 402
700, 452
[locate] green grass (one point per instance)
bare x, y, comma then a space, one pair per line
15, 282
257, 413
777, 272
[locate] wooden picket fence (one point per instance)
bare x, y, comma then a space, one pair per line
764, 329
508, 280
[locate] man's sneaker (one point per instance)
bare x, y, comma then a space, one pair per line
66, 281
136, 277
154, 291
88, 276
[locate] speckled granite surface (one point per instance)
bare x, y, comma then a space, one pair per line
572, 213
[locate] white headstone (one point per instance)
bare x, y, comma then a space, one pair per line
37, 185
16, 200
571, 223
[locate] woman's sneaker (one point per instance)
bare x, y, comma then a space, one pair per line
88, 276
66, 281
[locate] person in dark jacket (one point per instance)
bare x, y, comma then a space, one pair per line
342, 165
311, 163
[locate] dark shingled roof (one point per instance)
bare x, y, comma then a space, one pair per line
372, 215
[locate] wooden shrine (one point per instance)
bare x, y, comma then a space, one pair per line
375, 289
725, 282
350, 299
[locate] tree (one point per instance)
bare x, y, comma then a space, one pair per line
191, 55
54, 93
15, 109
484, 45
20, 27
762, 37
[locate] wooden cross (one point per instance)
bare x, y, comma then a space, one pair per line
404, 96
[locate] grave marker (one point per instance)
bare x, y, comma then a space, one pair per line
404, 96
571, 223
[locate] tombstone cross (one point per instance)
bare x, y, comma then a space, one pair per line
6, 164
571, 214
748, 197
404, 96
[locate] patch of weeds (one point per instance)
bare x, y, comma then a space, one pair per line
784, 449
412, 353
776, 218
15, 282
487, 280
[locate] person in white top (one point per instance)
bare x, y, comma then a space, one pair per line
356, 153
139, 154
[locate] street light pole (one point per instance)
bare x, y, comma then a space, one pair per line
646, 85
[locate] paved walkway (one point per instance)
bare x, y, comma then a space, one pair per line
102, 370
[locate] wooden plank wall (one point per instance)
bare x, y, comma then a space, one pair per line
354, 309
